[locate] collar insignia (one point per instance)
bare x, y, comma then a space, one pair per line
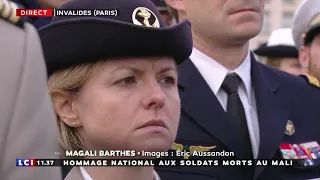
191, 149
313, 81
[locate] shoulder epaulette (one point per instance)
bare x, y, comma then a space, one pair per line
311, 80
8, 13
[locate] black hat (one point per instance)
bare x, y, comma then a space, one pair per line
280, 51
71, 40
279, 45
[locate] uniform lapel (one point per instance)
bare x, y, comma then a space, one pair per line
273, 110
200, 103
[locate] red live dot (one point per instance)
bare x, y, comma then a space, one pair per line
34, 12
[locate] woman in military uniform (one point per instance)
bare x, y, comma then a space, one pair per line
113, 82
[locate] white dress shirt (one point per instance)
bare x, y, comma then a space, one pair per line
86, 176
214, 74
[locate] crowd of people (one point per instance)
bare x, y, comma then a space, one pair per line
160, 74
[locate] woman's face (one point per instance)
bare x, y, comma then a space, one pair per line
131, 103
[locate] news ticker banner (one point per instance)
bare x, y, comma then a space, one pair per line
159, 162
66, 12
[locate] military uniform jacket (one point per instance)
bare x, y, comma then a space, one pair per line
279, 97
75, 174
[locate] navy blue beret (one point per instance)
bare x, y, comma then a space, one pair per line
136, 31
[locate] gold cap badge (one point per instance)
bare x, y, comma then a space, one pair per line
143, 16
289, 128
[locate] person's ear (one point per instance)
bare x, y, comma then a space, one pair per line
178, 5
64, 106
304, 56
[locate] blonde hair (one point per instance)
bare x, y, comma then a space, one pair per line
275, 62
70, 80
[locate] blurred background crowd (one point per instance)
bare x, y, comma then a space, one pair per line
278, 14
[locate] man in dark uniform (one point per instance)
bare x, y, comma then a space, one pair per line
280, 52
232, 103
306, 34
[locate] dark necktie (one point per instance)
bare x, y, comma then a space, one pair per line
237, 114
